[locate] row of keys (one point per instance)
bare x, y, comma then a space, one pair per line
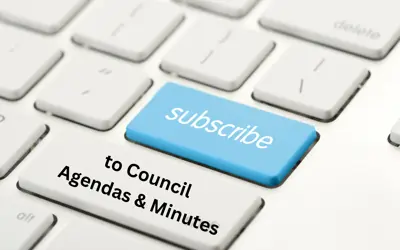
313, 88
86, 180
49, 16
334, 23
78, 94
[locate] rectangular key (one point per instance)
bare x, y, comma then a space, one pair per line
24, 59
231, 8
100, 236
142, 189
228, 136
218, 54
366, 28
311, 82
17, 136
94, 90
22, 225
131, 29
47, 16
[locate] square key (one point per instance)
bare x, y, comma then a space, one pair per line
311, 82
130, 29
217, 54
94, 90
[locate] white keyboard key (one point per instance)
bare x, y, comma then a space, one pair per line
22, 225
221, 207
47, 16
309, 82
17, 136
366, 28
24, 60
395, 133
217, 54
100, 236
231, 8
94, 90
131, 29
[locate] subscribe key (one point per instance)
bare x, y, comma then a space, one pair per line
237, 139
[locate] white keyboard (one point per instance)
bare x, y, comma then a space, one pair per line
199, 124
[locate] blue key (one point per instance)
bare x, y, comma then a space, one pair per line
234, 138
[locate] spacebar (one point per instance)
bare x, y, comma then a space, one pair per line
143, 190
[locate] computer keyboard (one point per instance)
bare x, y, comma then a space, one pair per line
199, 124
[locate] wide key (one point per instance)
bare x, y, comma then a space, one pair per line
142, 189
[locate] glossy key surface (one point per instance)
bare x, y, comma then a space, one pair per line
240, 140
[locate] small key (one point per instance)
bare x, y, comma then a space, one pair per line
143, 190
47, 16
231, 8
394, 136
24, 60
22, 225
94, 90
99, 236
217, 54
128, 29
365, 28
311, 82
17, 136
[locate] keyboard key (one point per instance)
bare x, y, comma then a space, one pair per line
129, 29
24, 60
205, 51
94, 90
340, 24
231, 8
18, 135
394, 136
22, 225
107, 180
47, 16
227, 136
310, 82
97, 236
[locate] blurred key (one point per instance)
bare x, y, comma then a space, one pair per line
22, 225
24, 59
365, 28
47, 16
131, 29
18, 134
231, 8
